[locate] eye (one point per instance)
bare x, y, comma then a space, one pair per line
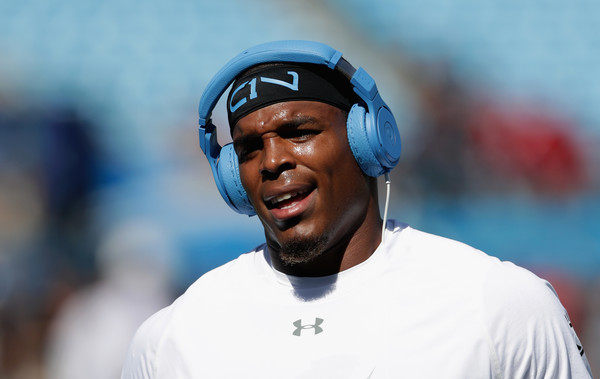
247, 148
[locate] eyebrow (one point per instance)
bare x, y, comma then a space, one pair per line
299, 120
295, 122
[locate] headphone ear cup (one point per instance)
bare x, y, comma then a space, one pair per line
229, 175
358, 138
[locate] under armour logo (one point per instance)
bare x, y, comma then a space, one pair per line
316, 326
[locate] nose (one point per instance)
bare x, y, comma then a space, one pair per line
277, 157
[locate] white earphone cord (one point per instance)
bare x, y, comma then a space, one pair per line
388, 186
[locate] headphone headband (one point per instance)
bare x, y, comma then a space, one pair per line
278, 51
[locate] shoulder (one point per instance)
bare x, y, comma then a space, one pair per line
231, 274
438, 255
141, 360
442, 246
222, 284
515, 287
528, 327
147, 355
514, 296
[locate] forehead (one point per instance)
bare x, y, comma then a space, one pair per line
284, 113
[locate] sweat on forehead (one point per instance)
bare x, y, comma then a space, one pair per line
267, 84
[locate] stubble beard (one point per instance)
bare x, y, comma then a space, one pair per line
300, 250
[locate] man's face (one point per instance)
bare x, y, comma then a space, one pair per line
301, 177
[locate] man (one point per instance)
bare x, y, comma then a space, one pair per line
331, 295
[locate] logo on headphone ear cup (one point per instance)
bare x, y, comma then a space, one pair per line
358, 138
388, 145
229, 175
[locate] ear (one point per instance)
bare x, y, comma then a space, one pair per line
229, 175
358, 138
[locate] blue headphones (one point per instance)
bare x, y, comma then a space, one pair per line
372, 131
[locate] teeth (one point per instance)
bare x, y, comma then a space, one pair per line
284, 197
281, 198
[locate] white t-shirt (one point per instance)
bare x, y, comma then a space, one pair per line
421, 306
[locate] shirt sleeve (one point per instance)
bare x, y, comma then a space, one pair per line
142, 358
529, 330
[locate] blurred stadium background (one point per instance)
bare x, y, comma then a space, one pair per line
108, 209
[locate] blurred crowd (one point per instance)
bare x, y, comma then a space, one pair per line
469, 142
72, 292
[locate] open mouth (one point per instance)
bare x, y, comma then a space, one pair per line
288, 200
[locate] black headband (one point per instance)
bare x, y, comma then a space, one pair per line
268, 84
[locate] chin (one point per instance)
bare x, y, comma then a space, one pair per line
298, 250
297, 229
